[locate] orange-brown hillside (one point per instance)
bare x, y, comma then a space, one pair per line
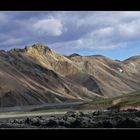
38, 75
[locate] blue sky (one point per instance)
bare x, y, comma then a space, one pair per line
115, 34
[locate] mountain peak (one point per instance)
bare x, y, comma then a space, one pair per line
98, 55
137, 57
41, 48
74, 54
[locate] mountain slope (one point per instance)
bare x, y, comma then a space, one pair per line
124, 102
23, 81
111, 76
38, 75
96, 73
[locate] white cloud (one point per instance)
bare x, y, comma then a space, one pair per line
4, 18
11, 41
52, 27
99, 19
131, 15
95, 30
130, 30
105, 30
86, 44
102, 33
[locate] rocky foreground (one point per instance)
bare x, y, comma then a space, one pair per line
98, 119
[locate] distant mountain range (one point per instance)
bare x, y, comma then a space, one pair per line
38, 75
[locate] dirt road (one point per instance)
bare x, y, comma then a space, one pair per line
32, 114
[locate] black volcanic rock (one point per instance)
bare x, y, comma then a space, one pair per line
104, 119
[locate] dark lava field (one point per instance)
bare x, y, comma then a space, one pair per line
97, 119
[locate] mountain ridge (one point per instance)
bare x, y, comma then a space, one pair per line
38, 75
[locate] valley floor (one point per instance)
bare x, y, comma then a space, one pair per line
118, 112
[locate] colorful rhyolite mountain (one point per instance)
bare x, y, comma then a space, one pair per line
38, 75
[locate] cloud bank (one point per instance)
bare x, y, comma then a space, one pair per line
69, 32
